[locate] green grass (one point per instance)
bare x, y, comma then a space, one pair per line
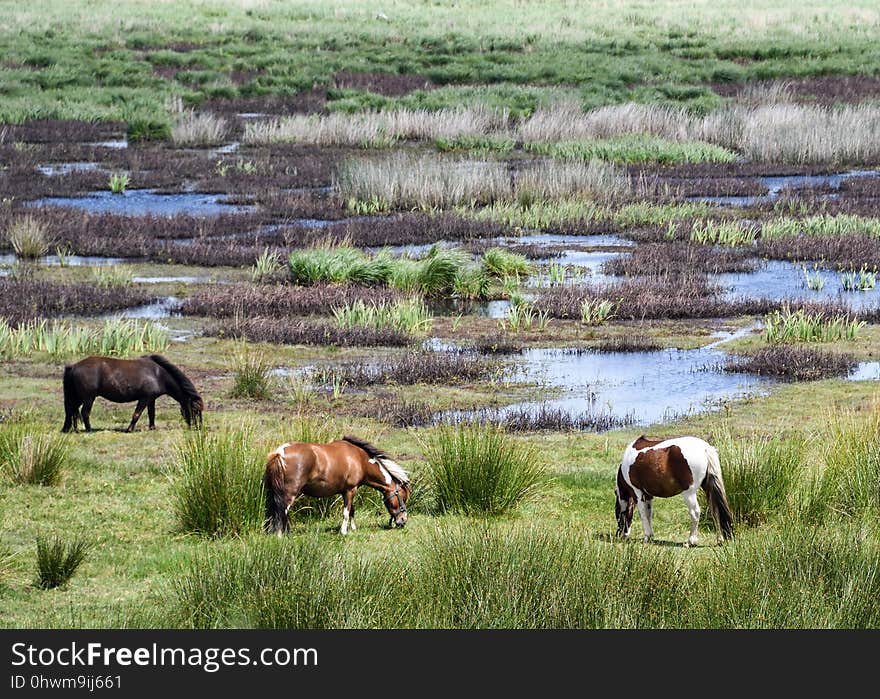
762, 476
635, 149
823, 224
252, 377
406, 315
480, 470
30, 454
801, 326
118, 337
216, 482
58, 560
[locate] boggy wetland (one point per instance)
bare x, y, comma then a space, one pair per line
499, 255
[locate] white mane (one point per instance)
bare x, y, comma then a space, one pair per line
395, 469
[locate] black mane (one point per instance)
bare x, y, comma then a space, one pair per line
185, 384
372, 451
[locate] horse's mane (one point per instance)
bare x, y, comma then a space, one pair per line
393, 468
185, 384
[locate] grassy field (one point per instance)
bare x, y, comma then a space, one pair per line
523, 138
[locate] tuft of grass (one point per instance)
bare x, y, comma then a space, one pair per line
793, 363
849, 484
193, 129
730, 233
761, 475
111, 277
863, 280
404, 315
251, 372
216, 483
636, 149
266, 266
118, 182
597, 311
28, 237
29, 454
802, 326
479, 469
500, 263
58, 560
118, 337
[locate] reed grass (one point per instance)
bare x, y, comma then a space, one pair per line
636, 148
28, 237
802, 326
216, 484
204, 129
119, 337
849, 482
409, 315
730, 233
111, 277
820, 225
762, 476
480, 470
58, 560
32, 455
251, 375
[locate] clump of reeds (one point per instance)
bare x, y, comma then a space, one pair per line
730, 233
266, 266
251, 374
117, 337
203, 129
500, 263
29, 237
787, 325
217, 482
30, 454
849, 484
761, 475
111, 277
408, 315
58, 560
793, 363
480, 470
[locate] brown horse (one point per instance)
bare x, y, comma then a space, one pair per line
124, 380
664, 468
325, 470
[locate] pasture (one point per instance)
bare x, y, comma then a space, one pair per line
498, 254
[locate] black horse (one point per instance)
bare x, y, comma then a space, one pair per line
123, 380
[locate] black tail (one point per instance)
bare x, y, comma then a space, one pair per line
276, 499
718, 506
71, 400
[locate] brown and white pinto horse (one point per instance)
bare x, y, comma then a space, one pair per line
663, 468
325, 470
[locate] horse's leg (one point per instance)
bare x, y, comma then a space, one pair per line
137, 413
347, 509
86, 413
693, 505
645, 515
151, 413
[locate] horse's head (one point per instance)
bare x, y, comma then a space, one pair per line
624, 505
192, 411
395, 503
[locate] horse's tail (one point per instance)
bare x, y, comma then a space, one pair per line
713, 486
71, 400
276, 498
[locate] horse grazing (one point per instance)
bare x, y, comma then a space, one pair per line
124, 380
325, 470
664, 468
